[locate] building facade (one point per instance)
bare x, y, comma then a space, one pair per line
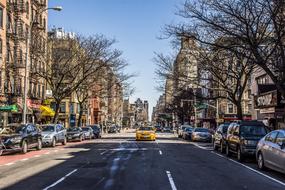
17, 19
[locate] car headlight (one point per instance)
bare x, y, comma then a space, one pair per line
76, 135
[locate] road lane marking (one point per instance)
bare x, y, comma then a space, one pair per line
171, 181
36, 156
60, 180
202, 147
160, 152
47, 153
25, 159
102, 153
251, 169
9, 164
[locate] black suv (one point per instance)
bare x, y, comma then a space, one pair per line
243, 136
96, 130
219, 138
20, 138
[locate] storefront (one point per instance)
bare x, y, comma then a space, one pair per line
270, 108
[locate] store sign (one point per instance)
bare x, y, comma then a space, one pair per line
32, 104
267, 110
268, 99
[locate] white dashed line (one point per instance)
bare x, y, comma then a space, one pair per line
47, 153
36, 156
102, 153
60, 180
9, 164
171, 181
251, 169
25, 159
160, 152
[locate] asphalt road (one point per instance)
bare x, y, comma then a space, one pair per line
118, 162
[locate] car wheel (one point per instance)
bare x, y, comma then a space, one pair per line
239, 155
228, 153
53, 143
215, 146
64, 141
39, 147
260, 161
24, 148
222, 148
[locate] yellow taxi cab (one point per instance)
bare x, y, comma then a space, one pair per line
145, 133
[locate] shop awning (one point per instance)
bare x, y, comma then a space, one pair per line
10, 108
47, 111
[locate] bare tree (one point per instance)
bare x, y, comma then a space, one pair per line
257, 25
221, 73
71, 62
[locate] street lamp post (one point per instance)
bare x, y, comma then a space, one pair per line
57, 8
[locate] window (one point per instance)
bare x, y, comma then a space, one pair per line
62, 108
39, 91
43, 91
271, 137
1, 17
262, 79
27, 9
1, 47
280, 138
230, 108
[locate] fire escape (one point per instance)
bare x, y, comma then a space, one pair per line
38, 44
16, 37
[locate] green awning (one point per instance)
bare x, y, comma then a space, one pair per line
10, 108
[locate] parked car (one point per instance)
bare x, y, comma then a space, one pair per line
96, 130
167, 130
219, 137
88, 133
180, 130
20, 138
270, 151
52, 134
112, 129
75, 133
243, 136
187, 132
118, 128
158, 128
201, 134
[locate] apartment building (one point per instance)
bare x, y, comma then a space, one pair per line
17, 18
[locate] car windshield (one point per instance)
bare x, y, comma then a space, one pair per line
225, 128
253, 130
145, 129
48, 128
85, 129
73, 129
95, 127
201, 130
189, 129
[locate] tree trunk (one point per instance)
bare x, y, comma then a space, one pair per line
239, 110
80, 115
57, 106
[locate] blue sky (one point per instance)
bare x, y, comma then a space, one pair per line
135, 24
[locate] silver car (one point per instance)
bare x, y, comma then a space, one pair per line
88, 133
271, 151
52, 134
